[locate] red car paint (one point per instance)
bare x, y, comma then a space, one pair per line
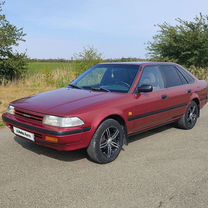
139, 112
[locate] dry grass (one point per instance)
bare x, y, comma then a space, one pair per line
33, 84
200, 73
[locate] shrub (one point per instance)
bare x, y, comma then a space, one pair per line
185, 43
86, 59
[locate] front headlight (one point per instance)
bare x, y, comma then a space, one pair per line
10, 110
62, 122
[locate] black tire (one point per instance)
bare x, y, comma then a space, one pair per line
189, 119
107, 142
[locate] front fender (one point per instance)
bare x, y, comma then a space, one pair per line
104, 115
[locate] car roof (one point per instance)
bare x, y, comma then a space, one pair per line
139, 63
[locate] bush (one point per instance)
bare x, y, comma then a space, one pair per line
12, 68
86, 59
186, 43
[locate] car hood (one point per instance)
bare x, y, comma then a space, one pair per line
64, 101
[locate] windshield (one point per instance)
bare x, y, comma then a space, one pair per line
108, 77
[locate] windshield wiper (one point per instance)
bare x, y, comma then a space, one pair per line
74, 86
91, 88
100, 89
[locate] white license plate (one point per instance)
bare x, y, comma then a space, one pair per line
24, 134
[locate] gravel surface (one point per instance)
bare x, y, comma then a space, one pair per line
166, 167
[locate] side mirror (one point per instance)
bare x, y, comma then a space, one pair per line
145, 88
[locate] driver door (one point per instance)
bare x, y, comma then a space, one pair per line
149, 107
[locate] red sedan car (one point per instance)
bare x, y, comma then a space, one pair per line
106, 104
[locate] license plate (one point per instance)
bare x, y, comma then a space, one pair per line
24, 134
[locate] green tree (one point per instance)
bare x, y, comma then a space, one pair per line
12, 64
185, 43
86, 59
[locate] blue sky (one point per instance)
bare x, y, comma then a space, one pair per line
117, 28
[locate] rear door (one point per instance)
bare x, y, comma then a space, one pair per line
178, 91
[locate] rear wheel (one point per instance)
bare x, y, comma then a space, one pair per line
189, 119
107, 142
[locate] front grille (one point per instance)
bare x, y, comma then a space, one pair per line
28, 116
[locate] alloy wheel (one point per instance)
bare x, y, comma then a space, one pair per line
192, 115
110, 141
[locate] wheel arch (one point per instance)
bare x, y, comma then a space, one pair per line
196, 100
120, 120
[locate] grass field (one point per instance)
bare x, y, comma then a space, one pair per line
44, 66
45, 76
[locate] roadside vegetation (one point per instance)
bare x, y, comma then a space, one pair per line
12, 64
33, 84
186, 43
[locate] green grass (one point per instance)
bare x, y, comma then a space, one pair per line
35, 66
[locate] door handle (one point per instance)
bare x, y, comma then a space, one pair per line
189, 91
164, 97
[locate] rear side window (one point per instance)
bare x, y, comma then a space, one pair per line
186, 75
171, 76
182, 77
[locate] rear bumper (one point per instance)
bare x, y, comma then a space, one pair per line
69, 140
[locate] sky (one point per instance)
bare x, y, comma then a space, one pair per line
116, 28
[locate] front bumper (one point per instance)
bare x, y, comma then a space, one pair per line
68, 140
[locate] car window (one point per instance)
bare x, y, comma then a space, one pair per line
111, 77
184, 81
93, 78
187, 76
171, 76
152, 76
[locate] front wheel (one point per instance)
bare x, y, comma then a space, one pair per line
189, 119
107, 142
